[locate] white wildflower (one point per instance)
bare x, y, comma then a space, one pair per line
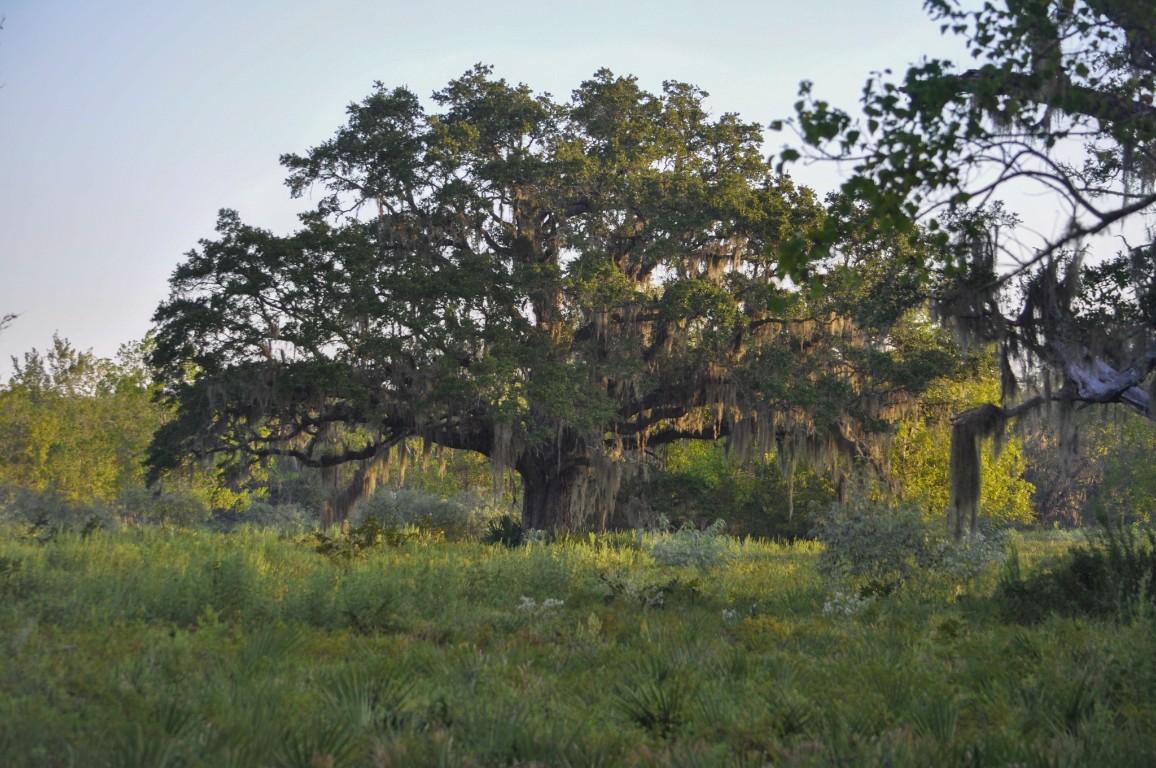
530, 605
841, 604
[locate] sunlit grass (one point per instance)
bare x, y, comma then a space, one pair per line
162, 647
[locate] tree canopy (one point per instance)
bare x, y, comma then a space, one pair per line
559, 285
1059, 104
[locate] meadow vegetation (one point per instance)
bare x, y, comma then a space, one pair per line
393, 644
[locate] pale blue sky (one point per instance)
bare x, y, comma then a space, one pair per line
125, 124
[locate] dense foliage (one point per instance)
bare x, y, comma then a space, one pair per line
919, 455
76, 425
74, 433
1059, 105
1107, 474
1111, 574
560, 286
873, 549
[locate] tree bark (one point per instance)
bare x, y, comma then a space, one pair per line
1097, 382
548, 494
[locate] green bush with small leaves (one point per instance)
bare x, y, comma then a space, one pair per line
688, 546
876, 550
359, 540
463, 516
43, 513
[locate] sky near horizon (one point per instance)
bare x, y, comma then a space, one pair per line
125, 125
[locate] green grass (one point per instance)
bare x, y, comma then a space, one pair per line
180, 648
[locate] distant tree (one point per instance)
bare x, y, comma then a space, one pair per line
1126, 493
1061, 103
76, 425
561, 287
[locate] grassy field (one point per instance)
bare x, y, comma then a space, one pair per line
154, 647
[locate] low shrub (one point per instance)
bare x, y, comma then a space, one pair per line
171, 506
43, 514
371, 533
641, 587
689, 546
505, 530
1112, 574
874, 550
464, 516
287, 518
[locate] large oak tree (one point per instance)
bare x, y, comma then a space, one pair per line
560, 286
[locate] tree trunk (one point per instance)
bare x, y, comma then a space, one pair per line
548, 490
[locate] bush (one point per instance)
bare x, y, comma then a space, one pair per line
876, 550
371, 533
1111, 575
464, 516
287, 518
46, 512
177, 506
505, 530
690, 546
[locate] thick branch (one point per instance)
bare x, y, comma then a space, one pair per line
1075, 100
1097, 382
1136, 20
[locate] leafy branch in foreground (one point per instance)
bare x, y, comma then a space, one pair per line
1059, 104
